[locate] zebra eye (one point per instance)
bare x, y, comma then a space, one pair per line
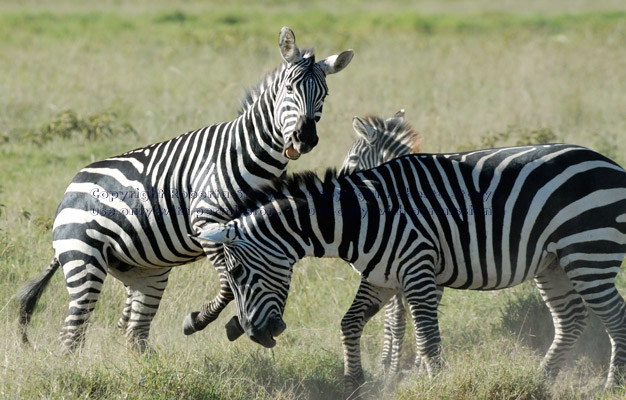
289, 88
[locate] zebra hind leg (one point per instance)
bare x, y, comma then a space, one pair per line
84, 277
569, 316
367, 302
145, 289
602, 297
395, 328
122, 323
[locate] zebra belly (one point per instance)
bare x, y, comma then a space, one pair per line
116, 238
378, 278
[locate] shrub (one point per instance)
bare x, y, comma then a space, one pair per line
518, 136
67, 125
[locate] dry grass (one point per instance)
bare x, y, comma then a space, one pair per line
465, 72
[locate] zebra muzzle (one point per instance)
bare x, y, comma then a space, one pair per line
266, 334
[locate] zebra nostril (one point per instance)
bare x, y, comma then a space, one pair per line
278, 327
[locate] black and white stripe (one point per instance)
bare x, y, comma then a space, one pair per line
132, 215
482, 220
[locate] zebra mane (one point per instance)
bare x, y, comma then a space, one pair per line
306, 178
397, 129
293, 183
253, 93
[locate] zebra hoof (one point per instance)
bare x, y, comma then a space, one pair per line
188, 325
234, 329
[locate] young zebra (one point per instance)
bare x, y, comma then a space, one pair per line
131, 215
483, 220
379, 141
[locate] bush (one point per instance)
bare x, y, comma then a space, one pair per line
67, 125
518, 136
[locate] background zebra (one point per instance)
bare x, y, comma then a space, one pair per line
132, 215
378, 141
482, 220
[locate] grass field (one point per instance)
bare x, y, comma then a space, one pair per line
83, 81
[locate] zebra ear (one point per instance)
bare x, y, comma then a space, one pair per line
363, 130
399, 114
288, 48
397, 119
218, 233
334, 64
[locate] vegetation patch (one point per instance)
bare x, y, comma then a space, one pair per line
68, 125
464, 74
514, 136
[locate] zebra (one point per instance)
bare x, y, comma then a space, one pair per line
481, 220
209, 311
378, 140
131, 215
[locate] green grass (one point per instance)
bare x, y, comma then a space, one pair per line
468, 73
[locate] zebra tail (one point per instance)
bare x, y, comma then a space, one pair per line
29, 295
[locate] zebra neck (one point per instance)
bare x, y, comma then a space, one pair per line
259, 144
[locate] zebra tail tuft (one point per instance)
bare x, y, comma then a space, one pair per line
29, 295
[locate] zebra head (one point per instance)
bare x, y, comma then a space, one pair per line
301, 92
379, 140
259, 274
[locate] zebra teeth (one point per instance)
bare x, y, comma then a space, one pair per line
291, 153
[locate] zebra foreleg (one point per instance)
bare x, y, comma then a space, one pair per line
419, 365
368, 301
198, 320
569, 316
423, 298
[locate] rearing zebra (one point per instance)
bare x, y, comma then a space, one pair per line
132, 215
483, 220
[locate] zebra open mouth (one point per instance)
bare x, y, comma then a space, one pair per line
291, 153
